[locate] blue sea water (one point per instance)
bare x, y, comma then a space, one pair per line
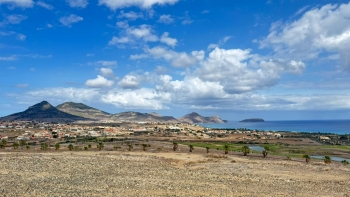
314, 126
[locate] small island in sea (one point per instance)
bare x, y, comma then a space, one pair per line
253, 120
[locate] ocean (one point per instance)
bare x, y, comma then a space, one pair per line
314, 126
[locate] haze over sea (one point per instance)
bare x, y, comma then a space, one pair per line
314, 126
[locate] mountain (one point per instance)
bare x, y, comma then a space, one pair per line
143, 117
196, 118
43, 112
82, 110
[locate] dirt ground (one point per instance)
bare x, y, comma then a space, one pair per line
139, 173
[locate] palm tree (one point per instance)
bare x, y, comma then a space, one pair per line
70, 147
191, 147
15, 145
44, 146
130, 147
144, 147
207, 149
100, 146
226, 147
345, 162
27, 147
265, 151
57, 146
245, 150
175, 146
307, 158
4, 142
327, 159
22, 143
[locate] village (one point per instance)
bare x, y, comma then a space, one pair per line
32, 131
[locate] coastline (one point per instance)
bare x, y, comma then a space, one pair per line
338, 127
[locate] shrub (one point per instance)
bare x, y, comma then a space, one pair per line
345, 162
327, 159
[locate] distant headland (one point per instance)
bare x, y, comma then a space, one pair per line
253, 120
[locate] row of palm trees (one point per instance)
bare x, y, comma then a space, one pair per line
246, 150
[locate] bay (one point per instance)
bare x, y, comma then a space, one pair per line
314, 126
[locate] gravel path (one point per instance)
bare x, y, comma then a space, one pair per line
166, 174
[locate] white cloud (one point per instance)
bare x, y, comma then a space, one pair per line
144, 31
71, 19
220, 43
107, 72
187, 22
205, 11
240, 71
129, 82
99, 82
130, 35
77, 3
167, 40
180, 59
136, 99
318, 31
130, 15
21, 37
117, 4
166, 19
18, 3
13, 19
63, 94
116, 40
44, 5
183, 60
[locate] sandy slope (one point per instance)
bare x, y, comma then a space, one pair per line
165, 174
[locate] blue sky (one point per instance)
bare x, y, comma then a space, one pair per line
274, 59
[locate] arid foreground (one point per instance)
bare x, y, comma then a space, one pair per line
166, 174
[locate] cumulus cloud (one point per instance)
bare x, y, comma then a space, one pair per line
167, 40
129, 82
117, 4
77, 3
240, 71
166, 19
137, 99
18, 3
320, 30
99, 82
132, 33
107, 72
44, 5
71, 19
177, 59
